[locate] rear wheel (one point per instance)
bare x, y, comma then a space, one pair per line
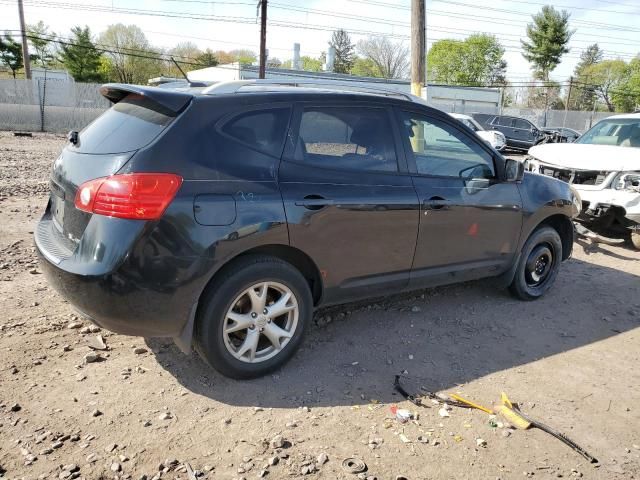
538, 265
253, 317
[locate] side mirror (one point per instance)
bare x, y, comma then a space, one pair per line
514, 170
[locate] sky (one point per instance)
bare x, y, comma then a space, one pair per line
232, 24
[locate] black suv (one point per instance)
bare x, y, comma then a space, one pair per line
222, 218
519, 132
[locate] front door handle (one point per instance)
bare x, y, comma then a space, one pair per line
437, 203
314, 202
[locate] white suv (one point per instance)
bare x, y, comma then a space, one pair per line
493, 137
603, 166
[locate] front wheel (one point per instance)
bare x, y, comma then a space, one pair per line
253, 317
538, 265
635, 239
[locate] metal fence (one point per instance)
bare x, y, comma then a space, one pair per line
48, 105
577, 120
55, 105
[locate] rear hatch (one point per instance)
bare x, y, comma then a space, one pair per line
140, 115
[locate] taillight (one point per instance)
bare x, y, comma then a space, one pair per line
141, 196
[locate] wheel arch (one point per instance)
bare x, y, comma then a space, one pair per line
561, 224
564, 226
296, 257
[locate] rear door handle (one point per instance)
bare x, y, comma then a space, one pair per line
437, 203
314, 202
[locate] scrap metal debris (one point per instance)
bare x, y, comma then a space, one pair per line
354, 465
507, 409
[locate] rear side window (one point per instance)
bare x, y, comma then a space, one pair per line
263, 130
503, 121
129, 125
354, 138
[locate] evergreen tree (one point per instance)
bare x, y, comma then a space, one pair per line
80, 56
11, 53
345, 55
584, 94
548, 35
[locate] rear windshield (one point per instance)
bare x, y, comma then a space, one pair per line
129, 125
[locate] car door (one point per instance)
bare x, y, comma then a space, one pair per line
504, 125
349, 200
524, 132
470, 220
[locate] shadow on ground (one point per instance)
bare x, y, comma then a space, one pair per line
459, 334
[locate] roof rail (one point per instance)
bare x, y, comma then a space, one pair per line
236, 85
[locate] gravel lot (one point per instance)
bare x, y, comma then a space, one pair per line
570, 359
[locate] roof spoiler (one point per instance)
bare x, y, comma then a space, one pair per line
169, 100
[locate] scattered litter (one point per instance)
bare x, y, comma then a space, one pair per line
481, 442
354, 465
511, 412
507, 410
458, 438
444, 411
423, 439
403, 415
404, 438
470, 403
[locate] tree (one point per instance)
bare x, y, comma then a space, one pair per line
307, 63
477, 60
11, 53
548, 35
344, 51
584, 96
627, 98
185, 52
80, 56
41, 38
364, 67
243, 56
608, 78
207, 58
544, 96
390, 60
132, 58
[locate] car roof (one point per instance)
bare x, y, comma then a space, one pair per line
461, 115
624, 116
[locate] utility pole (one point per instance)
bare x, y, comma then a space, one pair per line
262, 5
25, 46
566, 106
418, 46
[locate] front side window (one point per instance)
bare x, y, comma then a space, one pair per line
263, 130
522, 124
441, 150
356, 138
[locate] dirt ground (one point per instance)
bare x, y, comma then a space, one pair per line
147, 410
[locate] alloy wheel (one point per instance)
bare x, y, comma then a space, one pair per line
260, 322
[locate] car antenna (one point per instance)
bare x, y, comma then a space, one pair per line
181, 71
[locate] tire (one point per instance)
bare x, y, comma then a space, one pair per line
248, 349
538, 265
635, 239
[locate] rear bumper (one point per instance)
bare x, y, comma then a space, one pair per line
124, 290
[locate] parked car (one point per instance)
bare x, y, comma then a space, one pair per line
565, 134
603, 165
223, 218
520, 133
492, 137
